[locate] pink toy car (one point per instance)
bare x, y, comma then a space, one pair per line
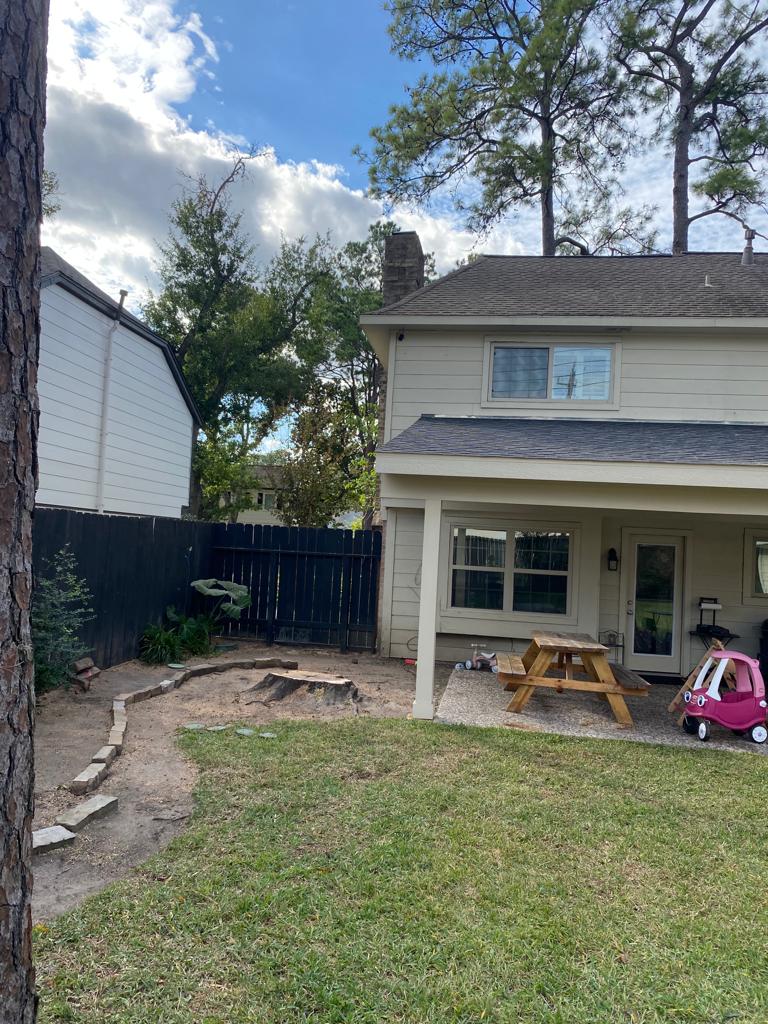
743, 710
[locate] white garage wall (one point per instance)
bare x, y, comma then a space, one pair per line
149, 426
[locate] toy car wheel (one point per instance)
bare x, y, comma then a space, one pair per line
468, 664
459, 666
759, 734
704, 731
690, 725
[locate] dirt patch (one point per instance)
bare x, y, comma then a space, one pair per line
151, 779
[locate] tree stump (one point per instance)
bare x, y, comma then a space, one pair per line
331, 691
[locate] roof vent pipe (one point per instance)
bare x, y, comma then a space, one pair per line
106, 387
748, 256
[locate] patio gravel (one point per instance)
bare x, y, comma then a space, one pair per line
477, 698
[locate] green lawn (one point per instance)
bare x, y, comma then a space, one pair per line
386, 871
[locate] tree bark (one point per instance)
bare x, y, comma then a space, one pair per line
681, 166
23, 37
547, 190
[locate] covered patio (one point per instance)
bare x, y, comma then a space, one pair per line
490, 548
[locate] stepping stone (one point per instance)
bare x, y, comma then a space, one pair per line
193, 726
78, 817
46, 839
217, 728
175, 665
268, 735
245, 732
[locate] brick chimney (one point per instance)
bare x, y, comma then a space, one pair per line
403, 266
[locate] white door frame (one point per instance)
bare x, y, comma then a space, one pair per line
676, 664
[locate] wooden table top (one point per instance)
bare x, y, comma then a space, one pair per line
567, 643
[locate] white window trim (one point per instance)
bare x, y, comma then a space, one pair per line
752, 534
536, 619
491, 342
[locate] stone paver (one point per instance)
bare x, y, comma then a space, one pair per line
52, 838
78, 817
106, 755
89, 778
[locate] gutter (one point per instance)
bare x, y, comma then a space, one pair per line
106, 387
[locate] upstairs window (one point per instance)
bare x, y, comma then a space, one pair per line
556, 372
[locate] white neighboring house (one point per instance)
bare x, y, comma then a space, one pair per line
575, 444
117, 420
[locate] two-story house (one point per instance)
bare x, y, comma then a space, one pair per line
575, 444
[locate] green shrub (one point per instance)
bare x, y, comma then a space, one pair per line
160, 645
61, 606
179, 635
194, 631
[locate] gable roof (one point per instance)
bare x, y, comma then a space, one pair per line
55, 270
693, 285
712, 444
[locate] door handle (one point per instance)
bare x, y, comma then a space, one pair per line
630, 608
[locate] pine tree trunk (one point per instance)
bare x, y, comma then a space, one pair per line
681, 167
23, 30
547, 190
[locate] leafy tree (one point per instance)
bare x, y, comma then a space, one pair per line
244, 335
692, 60
335, 431
521, 102
51, 194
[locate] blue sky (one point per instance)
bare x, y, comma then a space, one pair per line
308, 78
141, 92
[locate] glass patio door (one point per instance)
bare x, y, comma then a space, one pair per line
654, 604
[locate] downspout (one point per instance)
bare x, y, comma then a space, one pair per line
105, 389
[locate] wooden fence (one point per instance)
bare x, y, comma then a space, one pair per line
134, 566
308, 586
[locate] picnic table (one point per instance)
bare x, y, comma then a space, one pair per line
570, 661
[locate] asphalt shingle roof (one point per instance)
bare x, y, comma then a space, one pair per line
585, 440
610, 286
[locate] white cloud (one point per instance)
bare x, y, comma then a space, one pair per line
118, 145
118, 70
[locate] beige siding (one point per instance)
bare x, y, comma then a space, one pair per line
149, 426
716, 564
715, 553
680, 376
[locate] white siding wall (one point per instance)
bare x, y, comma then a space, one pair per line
149, 427
678, 376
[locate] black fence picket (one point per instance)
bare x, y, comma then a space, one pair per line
308, 586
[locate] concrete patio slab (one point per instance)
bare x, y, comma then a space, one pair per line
478, 698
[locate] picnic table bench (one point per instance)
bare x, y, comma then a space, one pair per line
570, 661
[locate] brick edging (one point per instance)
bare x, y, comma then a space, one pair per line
91, 777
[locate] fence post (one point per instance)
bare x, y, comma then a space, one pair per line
272, 595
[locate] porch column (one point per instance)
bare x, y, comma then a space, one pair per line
430, 557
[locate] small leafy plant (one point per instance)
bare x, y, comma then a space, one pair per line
61, 606
160, 644
232, 598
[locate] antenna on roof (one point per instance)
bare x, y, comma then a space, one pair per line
748, 256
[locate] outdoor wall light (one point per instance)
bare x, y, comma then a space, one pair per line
613, 560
